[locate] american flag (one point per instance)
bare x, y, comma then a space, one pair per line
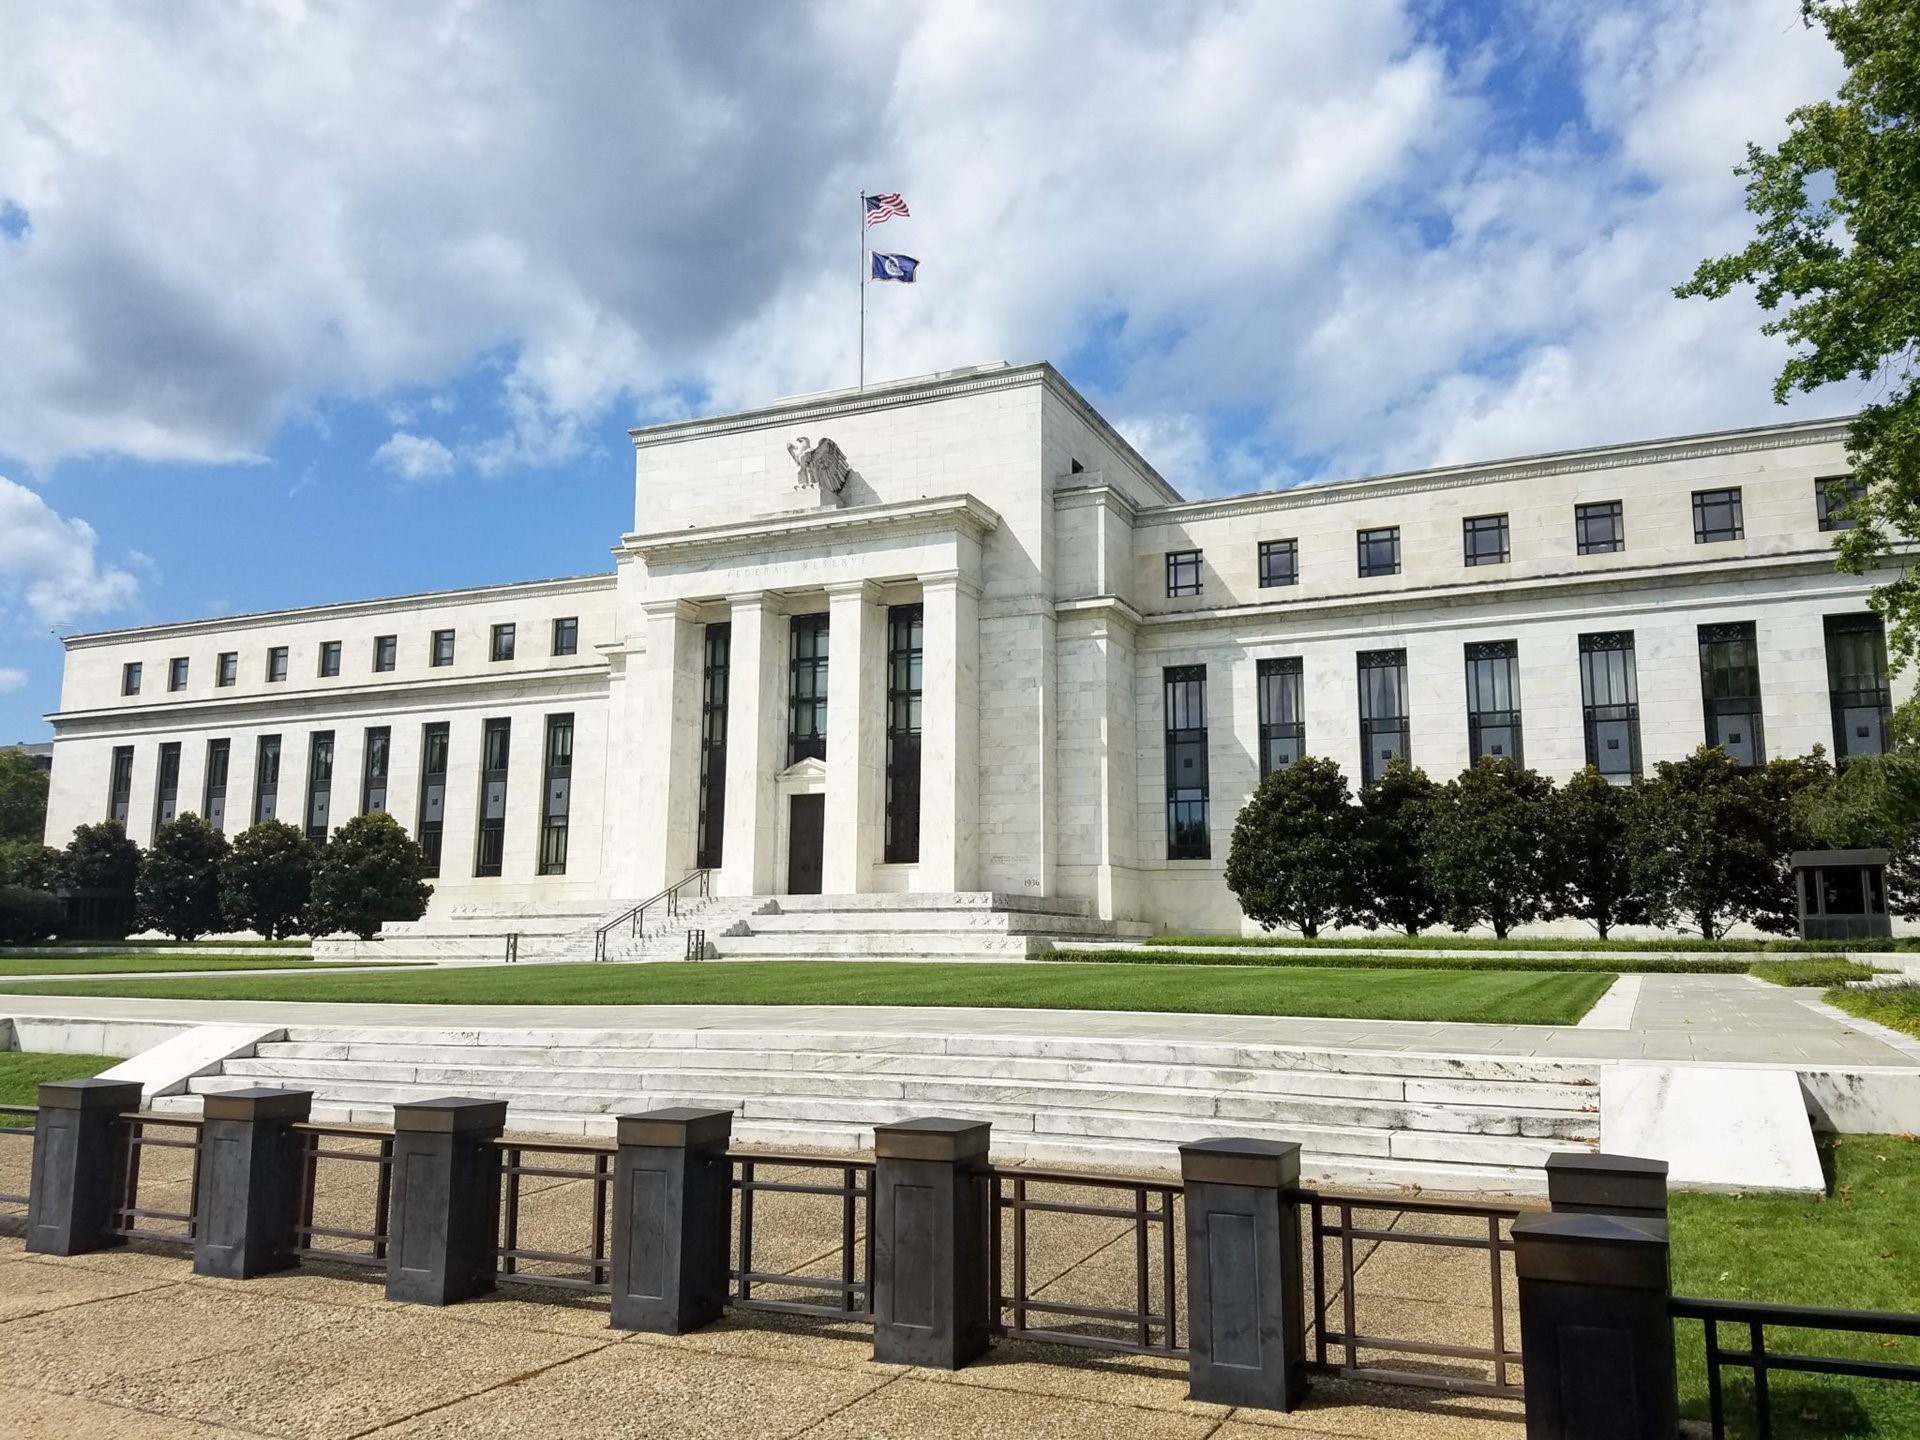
882, 208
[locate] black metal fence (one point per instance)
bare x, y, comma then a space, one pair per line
362, 1155
139, 1133
571, 1166
16, 1159
849, 1266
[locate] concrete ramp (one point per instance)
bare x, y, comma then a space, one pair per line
167, 1067
1718, 1128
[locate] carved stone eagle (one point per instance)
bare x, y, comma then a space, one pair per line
822, 467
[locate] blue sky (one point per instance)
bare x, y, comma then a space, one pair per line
311, 302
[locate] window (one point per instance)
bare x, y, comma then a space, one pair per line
266, 779
807, 690
501, 647
906, 641
213, 803
1380, 551
130, 678
1598, 528
1716, 516
329, 657
1832, 495
177, 673
442, 648
559, 787
1730, 688
1493, 700
492, 840
715, 677
1188, 831
1383, 711
1857, 684
433, 793
319, 783
386, 652
277, 663
1485, 537
1283, 730
1183, 572
566, 636
227, 670
373, 770
1279, 563
166, 788
120, 786
1610, 703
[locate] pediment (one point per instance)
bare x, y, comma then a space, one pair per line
802, 771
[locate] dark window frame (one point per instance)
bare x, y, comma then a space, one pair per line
1846, 695
166, 786
330, 655
1585, 521
809, 649
120, 784
178, 669
1279, 563
266, 778
906, 686
1183, 697
320, 758
1280, 691
213, 783
226, 669
1385, 724
132, 673
1368, 544
1719, 516
1493, 673
436, 745
1832, 495
490, 830
501, 642
1186, 573
1730, 690
276, 664
566, 635
557, 795
386, 653
1614, 702
376, 767
440, 649
716, 683
1475, 529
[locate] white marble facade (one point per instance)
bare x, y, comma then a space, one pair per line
1035, 541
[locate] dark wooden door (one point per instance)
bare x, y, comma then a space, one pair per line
806, 840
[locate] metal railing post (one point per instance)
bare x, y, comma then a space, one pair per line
445, 1208
1579, 1183
70, 1198
932, 1300
250, 1193
671, 1233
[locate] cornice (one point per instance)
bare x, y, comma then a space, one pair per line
1107, 608
1490, 472
1084, 496
758, 537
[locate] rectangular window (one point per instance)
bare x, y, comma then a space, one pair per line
130, 678
277, 663
1283, 728
319, 783
373, 770
1380, 551
213, 803
1183, 572
559, 793
1189, 833
566, 636
1832, 495
501, 647
491, 844
386, 652
329, 658
1857, 684
227, 671
433, 792
1717, 516
1610, 704
1598, 528
266, 779
442, 647
177, 673
1384, 732
1730, 688
1279, 563
1485, 538
166, 786
120, 786
715, 677
807, 690
1493, 700
906, 640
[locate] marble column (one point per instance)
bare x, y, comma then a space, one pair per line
669, 731
950, 733
856, 734
756, 743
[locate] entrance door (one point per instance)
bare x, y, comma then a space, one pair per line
806, 839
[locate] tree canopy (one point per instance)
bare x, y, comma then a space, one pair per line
1487, 853
1392, 880
369, 873
179, 887
1291, 860
23, 798
267, 879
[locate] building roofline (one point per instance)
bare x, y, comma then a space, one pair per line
343, 608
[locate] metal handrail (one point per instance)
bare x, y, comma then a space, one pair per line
634, 918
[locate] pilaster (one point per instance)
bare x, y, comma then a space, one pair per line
950, 733
756, 741
670, 732
856, 727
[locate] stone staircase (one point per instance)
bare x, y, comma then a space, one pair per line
547, 931
964, 925
1439, 1122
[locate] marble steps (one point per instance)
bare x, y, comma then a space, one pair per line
964, 922
956, 900
880, 945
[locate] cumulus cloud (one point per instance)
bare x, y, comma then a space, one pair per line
414, 458
1288, 240
11, 680
50, 564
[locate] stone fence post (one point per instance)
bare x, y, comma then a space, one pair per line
1579, 1183
249, 1198
670, 1239
70, 1197
932, 1304
444, 1216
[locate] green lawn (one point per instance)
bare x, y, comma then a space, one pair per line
21, 1074
1812, 970
139, 963
1897, 1006
1373, 994
1392, 940
1856, 1249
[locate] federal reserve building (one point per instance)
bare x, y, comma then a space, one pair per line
953, 641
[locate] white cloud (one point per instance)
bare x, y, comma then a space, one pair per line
50, 564
415, 458
11, 680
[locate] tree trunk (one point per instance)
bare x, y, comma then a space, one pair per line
1309, 928
1705, 920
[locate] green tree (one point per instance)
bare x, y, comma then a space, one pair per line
23, 798
28, 916
1291, 860
102, 863
35, 866
1835, 259
179, 886
1486, 853
371, 871
1592, 829
1704, 843
268, 879
1785, 789
1391, 881
1872, 802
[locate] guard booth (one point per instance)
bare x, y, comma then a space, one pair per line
1842, 893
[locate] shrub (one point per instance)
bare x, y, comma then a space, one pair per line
179, 886
103, 865
1592, 829
1487, 853
1390, 842
1291, 860
28, 916
268, 879
371, 872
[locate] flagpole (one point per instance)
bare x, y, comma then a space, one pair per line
863, 290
